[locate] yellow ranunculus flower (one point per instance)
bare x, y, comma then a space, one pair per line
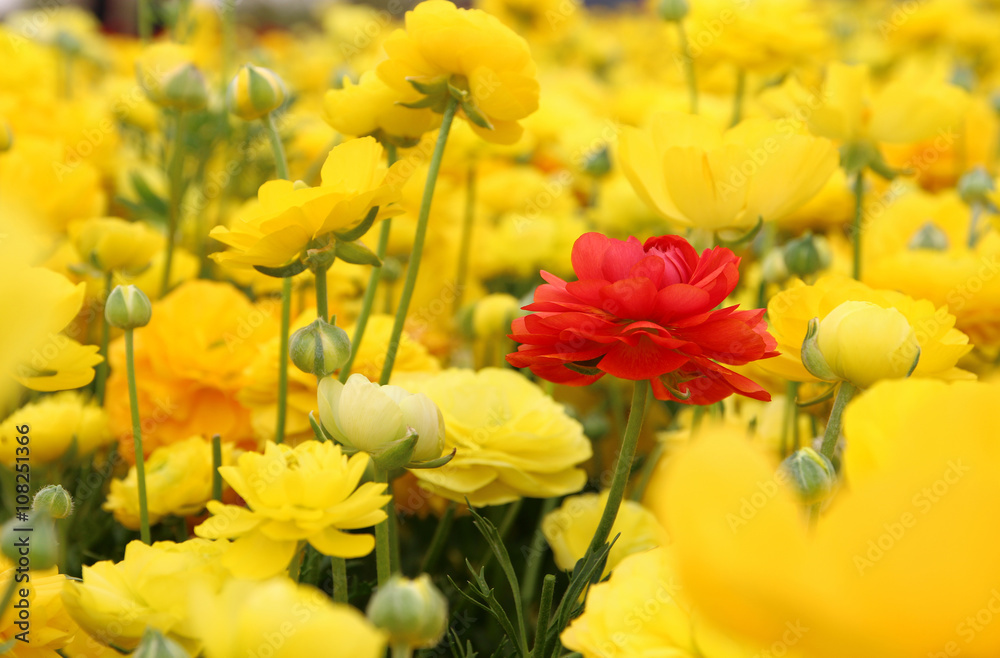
178, 482
693, 173
55, 422
291, 620
113, 244
307, 493
512, 440
908, 108
288, 218
789, 313
466, 48
862, 342
492, 315
643, 611
919, 509
371, 107
569, 529
151, 586
49, 627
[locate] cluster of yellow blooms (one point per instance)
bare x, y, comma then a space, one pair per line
292, 313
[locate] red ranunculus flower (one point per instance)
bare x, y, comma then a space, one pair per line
644, 311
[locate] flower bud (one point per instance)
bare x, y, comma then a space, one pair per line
319, 348
347, 412
773, 268
975, 186
255, 92
43, 546
54, 501
672, 10
185, 89
127, 308
811, 474
413, 612
169, 79
493, 314
155, 644
861, 342
929, 236
807, 255
597, 163
6, 136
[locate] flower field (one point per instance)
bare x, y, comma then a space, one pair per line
510, 328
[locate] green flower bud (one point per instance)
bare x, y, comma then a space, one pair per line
975, 186
68, 42
773, 269
184, 89
811, 474
127, 308
807, 255
598, 163
37, 548
929, 236
54, 501
319, 348
413, 612
255, 92
156, 645
672, 10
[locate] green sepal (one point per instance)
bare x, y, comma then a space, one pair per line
742, 239
397, 453
297, 267
357, 253
353, 234
475, 115
433, 463
812, 357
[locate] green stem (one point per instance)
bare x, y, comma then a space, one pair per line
622, 467
418, 239
8, 594
175, 171
533, 564
338, 568
741, 85
692, 84
286, 318
216, 463
280, 162
859, 195
102, 368
648, 468
383, 548
544, 610
466, 240
832, 434
295, 566
145, 16
791, 417
140, 459
321, 301
439, 539
977, 209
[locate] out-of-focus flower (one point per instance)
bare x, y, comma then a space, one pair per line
48, 627
151, 586
167, 74
246, 616
289, 217
370, 107
365, 416
908, 108
493, 314
642, 611
189, 361
644, 311
178, 482
569, 529
914, 499
540, 21
113, 244
255, 92
512, 440
789, 312
472, 51
307, 493
696, 175
57, 424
